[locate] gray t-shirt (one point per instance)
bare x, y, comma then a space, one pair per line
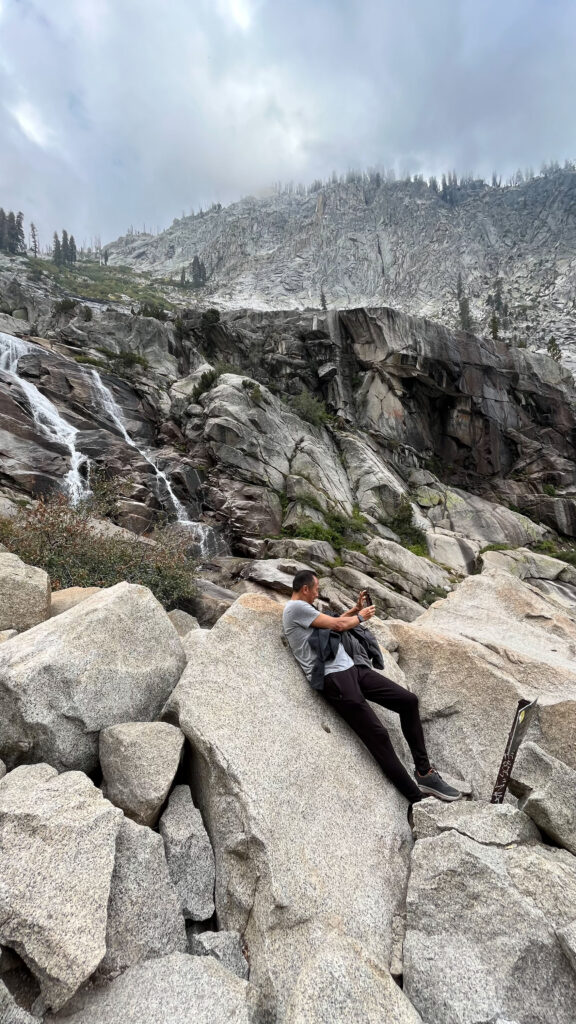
297, 619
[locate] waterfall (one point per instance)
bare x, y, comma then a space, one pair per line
114, 412
51, 425
203, 536
46, 417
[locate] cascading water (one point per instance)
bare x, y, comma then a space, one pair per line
114, 412
201, 534
46, 417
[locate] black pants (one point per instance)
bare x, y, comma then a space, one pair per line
349, 692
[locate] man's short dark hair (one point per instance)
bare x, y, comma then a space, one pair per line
304, 578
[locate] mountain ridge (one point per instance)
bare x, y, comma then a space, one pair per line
508, 251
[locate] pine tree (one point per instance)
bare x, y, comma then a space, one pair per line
202, 272
183, 277
196, 273
465, 315
3, 231
20, 236
34, 243
72, 250
11, 234
459, 288
56, 250
65, 248
106, 257
554, 349
323, 304
494, 326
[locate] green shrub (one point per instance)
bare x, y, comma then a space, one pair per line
86, 313
402, 524
254, 390
432, 594
564, 551
58, 539
311, 409
208, 378
418, 549
130, 359
496, 547
549, 489
65, 306
209, 318
154, 310
106, 492
340, 531
88, 361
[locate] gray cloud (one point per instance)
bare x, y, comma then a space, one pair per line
119, 112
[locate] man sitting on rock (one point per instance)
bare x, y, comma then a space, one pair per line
348, 687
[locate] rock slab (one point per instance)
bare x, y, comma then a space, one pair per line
189, 855
144, 916
178, 989
547, 791
311, 840
57, 848
471, 657
24, 594
139, 761
481, 939
113, 658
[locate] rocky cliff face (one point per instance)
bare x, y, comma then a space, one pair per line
374, 243
293, 423
401, 391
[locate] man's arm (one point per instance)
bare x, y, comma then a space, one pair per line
343, 622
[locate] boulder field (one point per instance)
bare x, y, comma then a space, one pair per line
188, 831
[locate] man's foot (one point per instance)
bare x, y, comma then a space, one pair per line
433, 784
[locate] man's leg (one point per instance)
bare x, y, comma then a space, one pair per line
383, 691
342, 691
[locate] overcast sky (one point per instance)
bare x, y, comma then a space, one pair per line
120, 112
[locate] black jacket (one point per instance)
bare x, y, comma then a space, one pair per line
324, 644
359, 643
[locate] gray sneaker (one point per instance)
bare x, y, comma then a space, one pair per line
433, 785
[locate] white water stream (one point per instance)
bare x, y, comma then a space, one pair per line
201, 534
46, 417
51, 424
110, 406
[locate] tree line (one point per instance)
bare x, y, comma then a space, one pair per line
64, 251
12, 238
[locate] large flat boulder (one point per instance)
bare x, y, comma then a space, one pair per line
113, 658
311, 840
144, 915
499, 824
57, 849
139, 761
546, 788
472, 656
416, 576
24, 594
476, 519
481, 941
453, 552
176, 989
